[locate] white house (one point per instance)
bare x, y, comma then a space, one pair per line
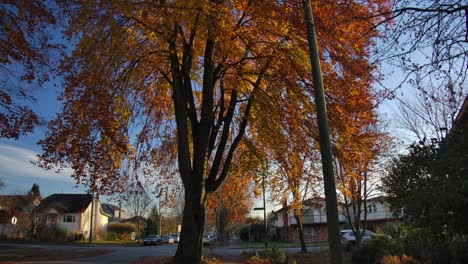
73, 212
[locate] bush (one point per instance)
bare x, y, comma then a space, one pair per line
256, 231
364, 255
459, 251
59, 234
423, 245
270, 255
276, 255
121, 230
52, 233
386, 245
392, 259
75, 236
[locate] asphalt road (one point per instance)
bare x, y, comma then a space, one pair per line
125, 254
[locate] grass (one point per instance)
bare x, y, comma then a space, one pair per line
280, 244
129, 243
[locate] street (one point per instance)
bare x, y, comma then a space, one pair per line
126, 254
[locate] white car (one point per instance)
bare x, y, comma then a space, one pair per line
176, 237
167, 239
207, 240
348, 240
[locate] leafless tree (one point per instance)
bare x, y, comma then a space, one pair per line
426, 41
430, 113
137, 202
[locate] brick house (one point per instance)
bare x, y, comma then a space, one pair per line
379, 215
315, 219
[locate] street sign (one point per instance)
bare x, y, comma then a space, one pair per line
14, 220
259, 208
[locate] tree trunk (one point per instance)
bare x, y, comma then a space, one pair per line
221, 219
300, 231
190, 246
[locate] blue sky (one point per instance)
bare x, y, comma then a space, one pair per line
16, 156
19, 174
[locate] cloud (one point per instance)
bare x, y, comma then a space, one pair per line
15, 163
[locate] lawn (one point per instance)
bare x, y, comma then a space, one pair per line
281, 244
129, 243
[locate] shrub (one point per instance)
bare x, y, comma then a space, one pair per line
276, 255
364, 255
256, 232
270, 255
121, 230
386, 245
393, 259
459, 251
59, 234
426, 247
52, 233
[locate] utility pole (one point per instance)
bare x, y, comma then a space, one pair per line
160, 218
91, 220
264, 212
335, 255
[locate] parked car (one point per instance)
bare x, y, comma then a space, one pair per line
152, 240
207, 240
167, 239
176, 237
348, 240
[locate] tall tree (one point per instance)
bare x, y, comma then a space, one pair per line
233, 201
358, 160
143, 76
283, 141
427, 38
25, 50
430, 112
137, 202
427, 43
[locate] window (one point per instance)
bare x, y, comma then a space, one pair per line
69, 219
372, 208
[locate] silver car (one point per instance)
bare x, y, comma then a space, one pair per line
152, 240
348, 240
167, 239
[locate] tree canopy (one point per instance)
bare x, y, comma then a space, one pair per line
428, 171
175, 84
25, 54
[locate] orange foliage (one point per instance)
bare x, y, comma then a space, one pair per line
24, 61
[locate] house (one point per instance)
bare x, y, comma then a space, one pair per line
73, 213
116, 212
460, 123
21, 207
314, 221
379, 215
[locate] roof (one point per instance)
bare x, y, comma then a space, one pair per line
135, 219
462, 117
67, 203
111, 209
14, 202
